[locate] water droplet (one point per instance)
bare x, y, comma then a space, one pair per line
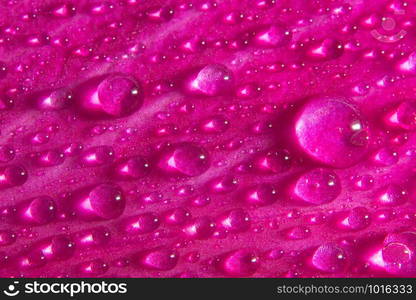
48, 158
224, 185
96, 237
39, 210
97, 156
211, 80
94, 267
7, 237
386, 157
177, 216
326, 50
141, 224
239, 263
157, 259
398, 253
272, 36
356, 219
113, 96
324, 130
7, 153
329, 258
236, 220
104, 201
404, 115
132, 168
184, 159
263, 194
318, 186
393, 195
199, 228
60, 247
274, 161
11, 176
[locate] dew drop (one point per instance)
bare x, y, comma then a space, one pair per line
325, 128
104, 201
11, 176
211, 80
239, 263
184, 159
157, 259
329, 258
318, 186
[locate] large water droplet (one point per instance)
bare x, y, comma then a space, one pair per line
184, 159
236, 220
113, 96
39, 210
211, 80
97, 156
318, 186
199, 228
13, 175
104, 201
141, 224
329, 258
326, 128
398, 253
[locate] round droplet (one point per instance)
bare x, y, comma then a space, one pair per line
272, 36
224, 185
184, 159
49, 158
215, 124
33, 259
211, 80
275, 161
329, 258
141, 224
326, 50
398, 253
104, 201
96, 237
199, 228
177, 216
60, 247
97, 156
158, 259
7, 153
357, 219
52, 100
11, 176
236, 220
240, 263
39, 210
298, 233
112, 96
363, 182
404, 116
7, 237
264, 194
393, 195
132, 168
94, 267
327, 130
386, 157
317, 186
